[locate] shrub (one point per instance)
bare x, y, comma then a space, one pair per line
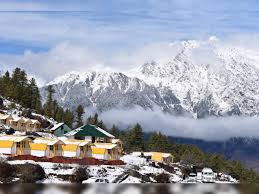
80, 175
7, 171
30, 173
162, 178
10, 131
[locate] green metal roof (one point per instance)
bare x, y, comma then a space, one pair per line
89, 130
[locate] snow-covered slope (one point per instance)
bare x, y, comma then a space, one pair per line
202, 78
209, 79
104, 91
10, 107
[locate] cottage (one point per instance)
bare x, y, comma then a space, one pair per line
28, 124
18, 123
105, 151
119, 143
156, 156
60, 129
35, 124
5, 119
162, 157
77, 148
31, 124
43, 147
92, 133
14, 145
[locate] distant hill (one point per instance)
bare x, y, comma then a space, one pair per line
244, 149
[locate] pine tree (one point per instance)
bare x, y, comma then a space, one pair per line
93, 120
101, 125
114, 131
55, 108
34, 96
5, 84
135, 139
69, 118
18, 88
79, 116
59, 114
89, 120
158, 142
19, 83
49, 104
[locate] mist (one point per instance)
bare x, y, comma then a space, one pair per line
210, 129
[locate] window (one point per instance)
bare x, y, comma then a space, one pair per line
51, 148
102, 139
23, 124
18, 144
14, 123
81, 148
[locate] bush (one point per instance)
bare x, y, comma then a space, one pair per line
10, 131
162, 178
30, 173
7, 172
80, 175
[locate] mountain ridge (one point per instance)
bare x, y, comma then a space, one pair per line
223, 83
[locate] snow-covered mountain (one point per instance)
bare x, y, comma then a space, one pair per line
104, 91
202, 78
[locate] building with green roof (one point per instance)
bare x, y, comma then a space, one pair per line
60, 129
92, 133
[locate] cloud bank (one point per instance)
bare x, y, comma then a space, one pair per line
212, 128
67, 56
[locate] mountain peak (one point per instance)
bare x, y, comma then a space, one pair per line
203, 78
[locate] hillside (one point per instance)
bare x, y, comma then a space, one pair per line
244, 149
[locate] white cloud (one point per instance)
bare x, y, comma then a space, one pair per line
67, 56
212, 128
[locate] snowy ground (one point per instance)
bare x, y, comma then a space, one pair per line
136, 170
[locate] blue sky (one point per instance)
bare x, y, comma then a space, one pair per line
120, 24
111, 26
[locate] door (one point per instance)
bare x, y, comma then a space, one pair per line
51, 151
18, 148
82, 152
58, 150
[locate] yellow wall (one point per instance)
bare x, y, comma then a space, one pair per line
99, 151
6, 144
70, 147
157, 157
38, 146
